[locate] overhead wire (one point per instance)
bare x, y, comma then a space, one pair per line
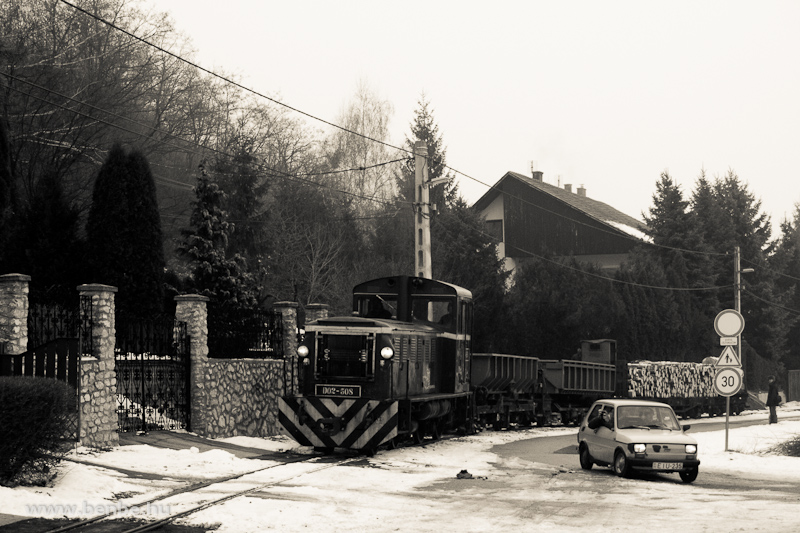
260, 166
228, 80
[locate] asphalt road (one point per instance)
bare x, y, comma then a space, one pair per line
562, 451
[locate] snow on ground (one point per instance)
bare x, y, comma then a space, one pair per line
417, 486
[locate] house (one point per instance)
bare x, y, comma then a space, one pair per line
530, 217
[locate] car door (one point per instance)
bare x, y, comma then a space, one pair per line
605, 442
596, 438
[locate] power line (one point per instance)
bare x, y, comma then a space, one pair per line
260, 166
598, 276
228, 80
772, 304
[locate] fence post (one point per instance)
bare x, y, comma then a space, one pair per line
98, 377
316, 311
288, 311
193, 309
14, 313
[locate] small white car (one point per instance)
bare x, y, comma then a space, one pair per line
637, 435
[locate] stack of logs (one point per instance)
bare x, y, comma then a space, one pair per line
667, 379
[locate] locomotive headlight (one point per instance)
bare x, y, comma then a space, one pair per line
691, 448
302, 350
387, 352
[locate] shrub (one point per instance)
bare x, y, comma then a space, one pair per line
790, 448
35, 414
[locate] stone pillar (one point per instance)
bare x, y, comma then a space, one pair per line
288, 311
193, 309
98, 378
14, 314
316, 312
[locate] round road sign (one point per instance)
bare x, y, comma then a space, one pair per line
729, 323
728, 381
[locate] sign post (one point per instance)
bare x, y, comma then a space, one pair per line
729, 377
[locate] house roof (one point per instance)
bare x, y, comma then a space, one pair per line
592, 208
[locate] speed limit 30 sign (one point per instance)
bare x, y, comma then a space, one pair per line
728, 381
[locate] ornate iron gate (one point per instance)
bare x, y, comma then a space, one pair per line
57, 336
152, 364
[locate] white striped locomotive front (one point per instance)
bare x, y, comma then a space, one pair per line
345, 399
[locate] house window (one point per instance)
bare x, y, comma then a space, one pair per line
495, 229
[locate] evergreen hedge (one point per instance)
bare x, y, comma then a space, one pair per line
35, 414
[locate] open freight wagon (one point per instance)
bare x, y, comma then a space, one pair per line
523, 390
518, 389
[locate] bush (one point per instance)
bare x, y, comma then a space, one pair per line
35, 416
790, 448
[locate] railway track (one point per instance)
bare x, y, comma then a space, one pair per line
199, 496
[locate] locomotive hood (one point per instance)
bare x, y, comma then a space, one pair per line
360, 323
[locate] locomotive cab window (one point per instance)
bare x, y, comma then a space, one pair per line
377, 306
437, 311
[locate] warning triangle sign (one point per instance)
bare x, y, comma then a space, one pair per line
728, 357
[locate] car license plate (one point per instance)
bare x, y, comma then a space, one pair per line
667, 466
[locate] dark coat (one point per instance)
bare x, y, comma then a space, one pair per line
773, 398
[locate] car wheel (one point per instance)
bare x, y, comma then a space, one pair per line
689, 475
621, 466
586, 458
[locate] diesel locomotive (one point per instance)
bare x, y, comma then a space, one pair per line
398, 367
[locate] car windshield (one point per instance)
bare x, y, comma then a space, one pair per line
646, 416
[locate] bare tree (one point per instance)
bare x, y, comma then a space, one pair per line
368, 117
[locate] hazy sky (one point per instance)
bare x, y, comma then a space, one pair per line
603, 94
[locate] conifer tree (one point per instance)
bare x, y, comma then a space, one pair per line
124, 233
106, 227
215, 272
46, 245
7, 196
425, 128
687, 265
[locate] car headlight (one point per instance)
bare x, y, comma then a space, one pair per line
387, 352
691, 448
639, 448
302, 350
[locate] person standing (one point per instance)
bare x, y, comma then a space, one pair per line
773, 400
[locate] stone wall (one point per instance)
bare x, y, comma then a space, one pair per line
243, 397
233, 397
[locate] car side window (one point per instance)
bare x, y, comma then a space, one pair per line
601, 415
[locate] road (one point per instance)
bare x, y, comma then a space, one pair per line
562, 451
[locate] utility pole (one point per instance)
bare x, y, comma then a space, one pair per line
422, 213
737, 282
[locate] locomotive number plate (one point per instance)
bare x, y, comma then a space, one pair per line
339, 391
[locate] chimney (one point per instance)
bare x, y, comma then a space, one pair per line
537, 175
582, 191
568, 187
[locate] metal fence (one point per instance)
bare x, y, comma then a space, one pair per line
245, 334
